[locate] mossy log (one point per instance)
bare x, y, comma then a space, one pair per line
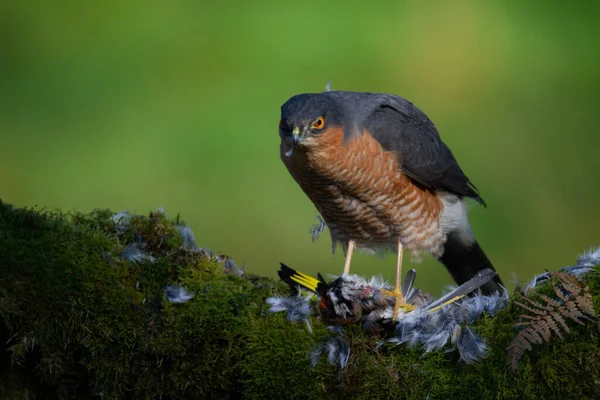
79, 320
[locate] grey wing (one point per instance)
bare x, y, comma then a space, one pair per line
400, 126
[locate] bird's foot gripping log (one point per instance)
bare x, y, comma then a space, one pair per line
399, 302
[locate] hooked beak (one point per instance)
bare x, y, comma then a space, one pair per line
296, 136
293, 139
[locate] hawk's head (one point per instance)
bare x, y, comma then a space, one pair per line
305, 117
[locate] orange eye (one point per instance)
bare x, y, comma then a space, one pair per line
319, 123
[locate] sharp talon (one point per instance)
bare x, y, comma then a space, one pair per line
399, 302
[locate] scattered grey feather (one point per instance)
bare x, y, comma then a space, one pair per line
495, 302
317, 230
585, 263
220, 257
407, 327
230, 267
134, 254
473, 307
378, 283
332, 351
471, 346
205, 252
308, 326
407, 284
372, 320
178, 294
533, 283
448, 325
297, 307
577, 271
315, 355
336, 329
161, 211
328, 86
590, 258
187, 236
437, 340
416, 337
338, 352
122, 221
456, 330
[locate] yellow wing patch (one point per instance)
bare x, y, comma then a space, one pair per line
306, 281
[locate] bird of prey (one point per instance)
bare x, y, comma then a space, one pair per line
377, 171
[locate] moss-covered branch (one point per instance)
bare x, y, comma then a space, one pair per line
82, 318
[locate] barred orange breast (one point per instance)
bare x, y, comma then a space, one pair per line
361, 193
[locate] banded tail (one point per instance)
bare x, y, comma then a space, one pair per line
465, 261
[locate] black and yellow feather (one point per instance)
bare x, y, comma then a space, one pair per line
297, 279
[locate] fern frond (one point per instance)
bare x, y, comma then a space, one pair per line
543, 328
572, 311
550, 301
558, 318
547, 315
560, 293
569, 283
586, 305
537, 308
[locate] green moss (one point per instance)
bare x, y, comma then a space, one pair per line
79, 321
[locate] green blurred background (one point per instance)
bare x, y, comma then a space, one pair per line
141, 104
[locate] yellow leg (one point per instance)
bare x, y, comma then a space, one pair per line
397, 293
349, 256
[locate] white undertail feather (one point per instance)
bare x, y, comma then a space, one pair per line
454, 218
